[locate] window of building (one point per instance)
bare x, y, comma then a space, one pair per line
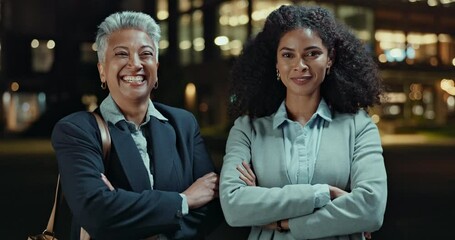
233, 27
191, 37
446, 49
185, 39
22, 109
413, 47
162, 16
261, 9
422, 48
42, 55
390, 46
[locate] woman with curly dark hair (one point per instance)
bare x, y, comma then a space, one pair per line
303, 159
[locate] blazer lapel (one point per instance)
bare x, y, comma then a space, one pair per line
129, 157
166, 160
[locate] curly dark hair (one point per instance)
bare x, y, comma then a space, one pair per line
354, 82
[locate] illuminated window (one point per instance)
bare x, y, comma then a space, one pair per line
233, 22
412, 47
422, 47
162, 17
261, 9
22, 109
185, 37
446, 49
391, 46
42, 55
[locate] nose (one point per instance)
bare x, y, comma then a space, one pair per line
134, 62
300, 65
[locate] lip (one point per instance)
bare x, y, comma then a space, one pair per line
301, 78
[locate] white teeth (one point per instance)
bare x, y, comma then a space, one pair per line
131, 79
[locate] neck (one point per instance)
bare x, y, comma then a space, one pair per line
134, 111
301, 109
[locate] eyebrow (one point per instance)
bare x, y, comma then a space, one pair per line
306, 49
142, 47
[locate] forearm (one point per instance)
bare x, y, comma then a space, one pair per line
362, 210
255, 206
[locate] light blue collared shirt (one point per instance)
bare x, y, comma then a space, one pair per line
301, 144
111, 113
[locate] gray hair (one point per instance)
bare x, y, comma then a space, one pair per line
126, 20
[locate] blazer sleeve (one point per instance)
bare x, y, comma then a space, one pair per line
254, 206
106, 214
361, 210
206, 218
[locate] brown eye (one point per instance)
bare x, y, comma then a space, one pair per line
313, 53
287, 55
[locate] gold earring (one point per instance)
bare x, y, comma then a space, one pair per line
103, 85
156, 85
278, 75
328, 71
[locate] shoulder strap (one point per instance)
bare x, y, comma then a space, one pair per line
106, 144
105, 137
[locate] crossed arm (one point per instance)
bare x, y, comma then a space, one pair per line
247, 175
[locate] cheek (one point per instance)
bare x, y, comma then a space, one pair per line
282, 67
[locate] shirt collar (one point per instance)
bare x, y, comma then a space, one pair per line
111, 112
281, 114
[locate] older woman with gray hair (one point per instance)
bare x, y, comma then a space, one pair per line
159, 180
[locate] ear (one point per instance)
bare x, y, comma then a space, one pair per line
101, 72
329, 63
331, 58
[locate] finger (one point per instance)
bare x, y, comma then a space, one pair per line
246, 180
249, 170
242, 171
106, 181
367, 235
209, 175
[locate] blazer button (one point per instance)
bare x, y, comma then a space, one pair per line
179, 214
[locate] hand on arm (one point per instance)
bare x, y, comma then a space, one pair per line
336, 192
107, 182
247, 174
204, 190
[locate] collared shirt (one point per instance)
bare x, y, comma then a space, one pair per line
301, 144
111, 113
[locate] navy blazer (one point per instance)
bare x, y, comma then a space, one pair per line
133, 210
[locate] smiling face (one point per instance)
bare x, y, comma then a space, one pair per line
302, 61
130, 66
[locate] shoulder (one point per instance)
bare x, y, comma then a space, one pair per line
360, 121
177, 117
171, 112
254, 124
75, 124
360, 117
79, 118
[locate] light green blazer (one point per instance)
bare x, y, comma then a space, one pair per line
350, 157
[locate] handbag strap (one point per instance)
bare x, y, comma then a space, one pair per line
106, 145
105, 137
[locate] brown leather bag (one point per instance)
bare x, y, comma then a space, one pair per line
48, 233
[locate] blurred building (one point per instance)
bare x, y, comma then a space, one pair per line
48, 59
